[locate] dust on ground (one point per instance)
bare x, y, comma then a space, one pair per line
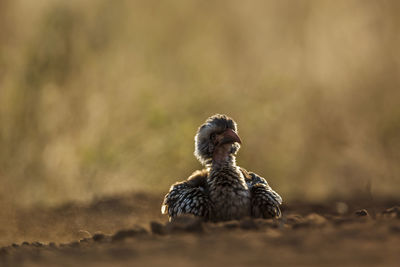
129, 229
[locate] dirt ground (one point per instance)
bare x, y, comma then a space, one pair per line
129, 230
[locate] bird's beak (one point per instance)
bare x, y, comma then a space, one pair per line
229, 137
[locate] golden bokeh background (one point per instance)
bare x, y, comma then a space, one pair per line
104, 97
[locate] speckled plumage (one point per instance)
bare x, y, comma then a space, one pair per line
222, 191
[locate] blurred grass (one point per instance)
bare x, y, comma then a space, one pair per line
101, 97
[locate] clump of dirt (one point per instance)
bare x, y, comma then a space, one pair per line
129, 230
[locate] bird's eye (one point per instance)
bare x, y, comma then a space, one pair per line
212, 136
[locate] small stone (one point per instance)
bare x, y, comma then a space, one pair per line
393, 212
98, 237
25, 243
15, 245
123, 234
84, 234
361, 213
37, 244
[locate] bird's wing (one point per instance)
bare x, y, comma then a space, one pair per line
188, 197
264, 201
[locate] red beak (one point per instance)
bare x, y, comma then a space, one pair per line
230, 136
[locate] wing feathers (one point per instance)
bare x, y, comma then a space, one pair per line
264, 201
189, 196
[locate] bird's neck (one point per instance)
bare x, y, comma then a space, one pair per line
225, 162
223, 157
224, 175
223, 167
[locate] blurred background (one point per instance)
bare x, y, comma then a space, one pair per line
104, 97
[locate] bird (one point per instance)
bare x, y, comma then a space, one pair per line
222, 191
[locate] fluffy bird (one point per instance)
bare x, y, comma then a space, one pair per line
222, 190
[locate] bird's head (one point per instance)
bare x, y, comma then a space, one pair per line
216, 138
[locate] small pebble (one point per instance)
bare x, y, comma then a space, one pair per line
361, 213
123, 234
98, 237
393, 212
37, 244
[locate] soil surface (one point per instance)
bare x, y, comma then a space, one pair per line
129, 230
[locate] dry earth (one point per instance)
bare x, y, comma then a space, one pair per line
129, 230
